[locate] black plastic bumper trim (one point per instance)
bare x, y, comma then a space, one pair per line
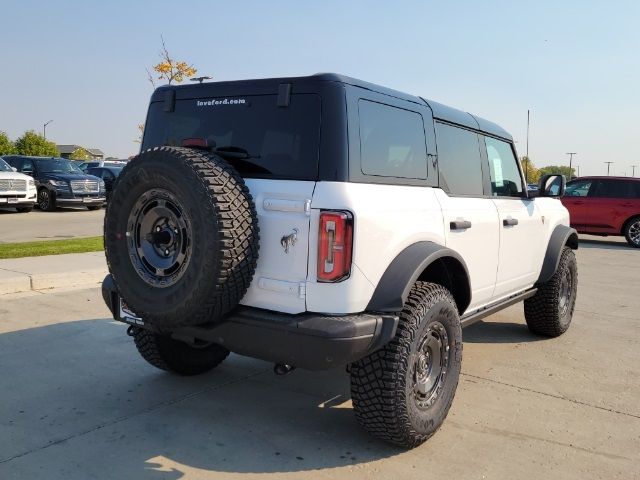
309, 340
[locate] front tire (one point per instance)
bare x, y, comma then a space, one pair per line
550, 310
403, 392
25, 209
46, 200
632, 232
173, 356
94, 207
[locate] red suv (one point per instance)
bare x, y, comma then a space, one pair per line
605, 206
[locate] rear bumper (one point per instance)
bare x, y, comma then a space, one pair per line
310, 340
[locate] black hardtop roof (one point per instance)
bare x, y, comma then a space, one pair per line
33, 157
440, 111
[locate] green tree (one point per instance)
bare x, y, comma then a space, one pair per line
531, 173
36, 145
558, 170
79, 154
6, 145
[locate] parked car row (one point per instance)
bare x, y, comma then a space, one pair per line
51, 182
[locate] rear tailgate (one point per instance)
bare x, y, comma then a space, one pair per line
283, 208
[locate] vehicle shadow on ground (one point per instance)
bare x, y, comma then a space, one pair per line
83, 391
498, 332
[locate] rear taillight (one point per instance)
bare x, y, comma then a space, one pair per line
335, 239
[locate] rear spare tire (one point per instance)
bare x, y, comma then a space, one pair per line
181, 237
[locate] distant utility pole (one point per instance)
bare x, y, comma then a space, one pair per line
633, 171
608, 165
571, 154
44, 129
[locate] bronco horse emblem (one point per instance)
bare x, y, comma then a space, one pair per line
289, 240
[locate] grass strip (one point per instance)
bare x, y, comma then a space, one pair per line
50, 247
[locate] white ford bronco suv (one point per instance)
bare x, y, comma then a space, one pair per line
322, 222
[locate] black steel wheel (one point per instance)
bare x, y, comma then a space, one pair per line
632, 232
46, 200
181, 237
403, 392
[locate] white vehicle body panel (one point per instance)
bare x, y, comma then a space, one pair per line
16, 196
478, 245
283, 208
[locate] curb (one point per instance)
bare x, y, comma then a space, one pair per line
21, 282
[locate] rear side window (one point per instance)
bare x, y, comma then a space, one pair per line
503, 169
459, 161
392, 141
260, 139
612, 189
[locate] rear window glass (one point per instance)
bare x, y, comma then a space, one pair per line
259, 138
459, 161
392, 141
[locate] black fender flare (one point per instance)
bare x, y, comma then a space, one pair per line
561, 236
396, 282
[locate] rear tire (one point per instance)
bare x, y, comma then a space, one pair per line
174, 356
632, 232
550, 310
403, 392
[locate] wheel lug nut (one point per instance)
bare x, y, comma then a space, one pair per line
166, 252
158, 228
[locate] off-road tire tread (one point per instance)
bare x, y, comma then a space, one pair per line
542, 310
232, 206
163, 354
377, 381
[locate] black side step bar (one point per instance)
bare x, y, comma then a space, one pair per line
478, 315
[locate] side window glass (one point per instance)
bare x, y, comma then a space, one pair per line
578, 189
392, 141
503, 169
611, 189
27, 166
459, 161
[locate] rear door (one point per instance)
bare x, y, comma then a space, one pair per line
609, 205
470, 217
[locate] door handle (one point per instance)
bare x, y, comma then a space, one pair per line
509, 222
459, 224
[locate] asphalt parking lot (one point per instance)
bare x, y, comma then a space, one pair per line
58, 225
77, 402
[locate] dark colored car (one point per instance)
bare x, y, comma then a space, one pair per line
605, 206
108, 175
84, 166
60, 182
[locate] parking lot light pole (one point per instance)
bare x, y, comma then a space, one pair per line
633, 170
44, 129
571, 154
608, 165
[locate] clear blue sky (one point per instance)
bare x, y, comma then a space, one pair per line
575, 64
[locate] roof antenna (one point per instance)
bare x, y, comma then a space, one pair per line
200, 79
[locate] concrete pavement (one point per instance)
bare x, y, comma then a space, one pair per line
37, 225
52, 271
77, 402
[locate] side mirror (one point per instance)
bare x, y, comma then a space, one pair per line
14, 169
552, 186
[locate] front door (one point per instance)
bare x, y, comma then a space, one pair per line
520, 222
